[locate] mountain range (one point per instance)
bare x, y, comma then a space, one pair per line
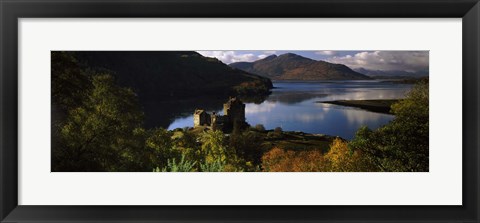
291, 66
386, 74
154, 75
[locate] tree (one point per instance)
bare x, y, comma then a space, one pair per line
160, 144
101, 133
403, 144
260, 127
186, 142
280, 160
248, 148
213, 146
71, 84
339, 156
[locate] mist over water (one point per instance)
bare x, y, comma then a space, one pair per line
294, 106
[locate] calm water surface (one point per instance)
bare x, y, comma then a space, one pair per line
294, 106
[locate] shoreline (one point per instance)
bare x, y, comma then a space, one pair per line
287, 140
378, 105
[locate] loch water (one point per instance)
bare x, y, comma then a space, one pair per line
296, 106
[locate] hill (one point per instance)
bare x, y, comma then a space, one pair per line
294, 67
157, 74
392, 74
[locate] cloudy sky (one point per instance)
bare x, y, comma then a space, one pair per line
410, 61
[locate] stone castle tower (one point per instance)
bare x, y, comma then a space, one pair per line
234, 109
234, 113
201, 118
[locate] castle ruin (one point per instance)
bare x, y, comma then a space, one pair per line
234, 114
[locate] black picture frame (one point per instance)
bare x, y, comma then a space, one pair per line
12, 10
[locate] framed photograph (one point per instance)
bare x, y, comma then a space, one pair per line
228, 111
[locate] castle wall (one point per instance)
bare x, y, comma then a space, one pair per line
234, 112
201, 118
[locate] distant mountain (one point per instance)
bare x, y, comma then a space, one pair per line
156, 74
391, 74
294, 67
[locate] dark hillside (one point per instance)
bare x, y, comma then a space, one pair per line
156, 74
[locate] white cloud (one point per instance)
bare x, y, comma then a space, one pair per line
326, 52
270, 52
261, 56
386, 60
228, 57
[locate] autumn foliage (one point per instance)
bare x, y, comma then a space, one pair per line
97, 126
338, 159
279, 160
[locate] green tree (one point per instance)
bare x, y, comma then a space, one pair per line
100, 134
186, 142
213, 146
71, 83
403, 144
248, 147
260, 127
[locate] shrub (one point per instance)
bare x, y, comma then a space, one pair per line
279, 160
215, 166
260, 127
213, 146
402, 145
181, 166
271, 135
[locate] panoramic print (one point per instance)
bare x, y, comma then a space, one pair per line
240, 111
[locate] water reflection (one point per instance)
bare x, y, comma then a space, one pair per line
293, 97
294, 107
265, 107
178, 111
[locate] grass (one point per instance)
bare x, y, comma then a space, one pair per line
289, 140
299, 141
